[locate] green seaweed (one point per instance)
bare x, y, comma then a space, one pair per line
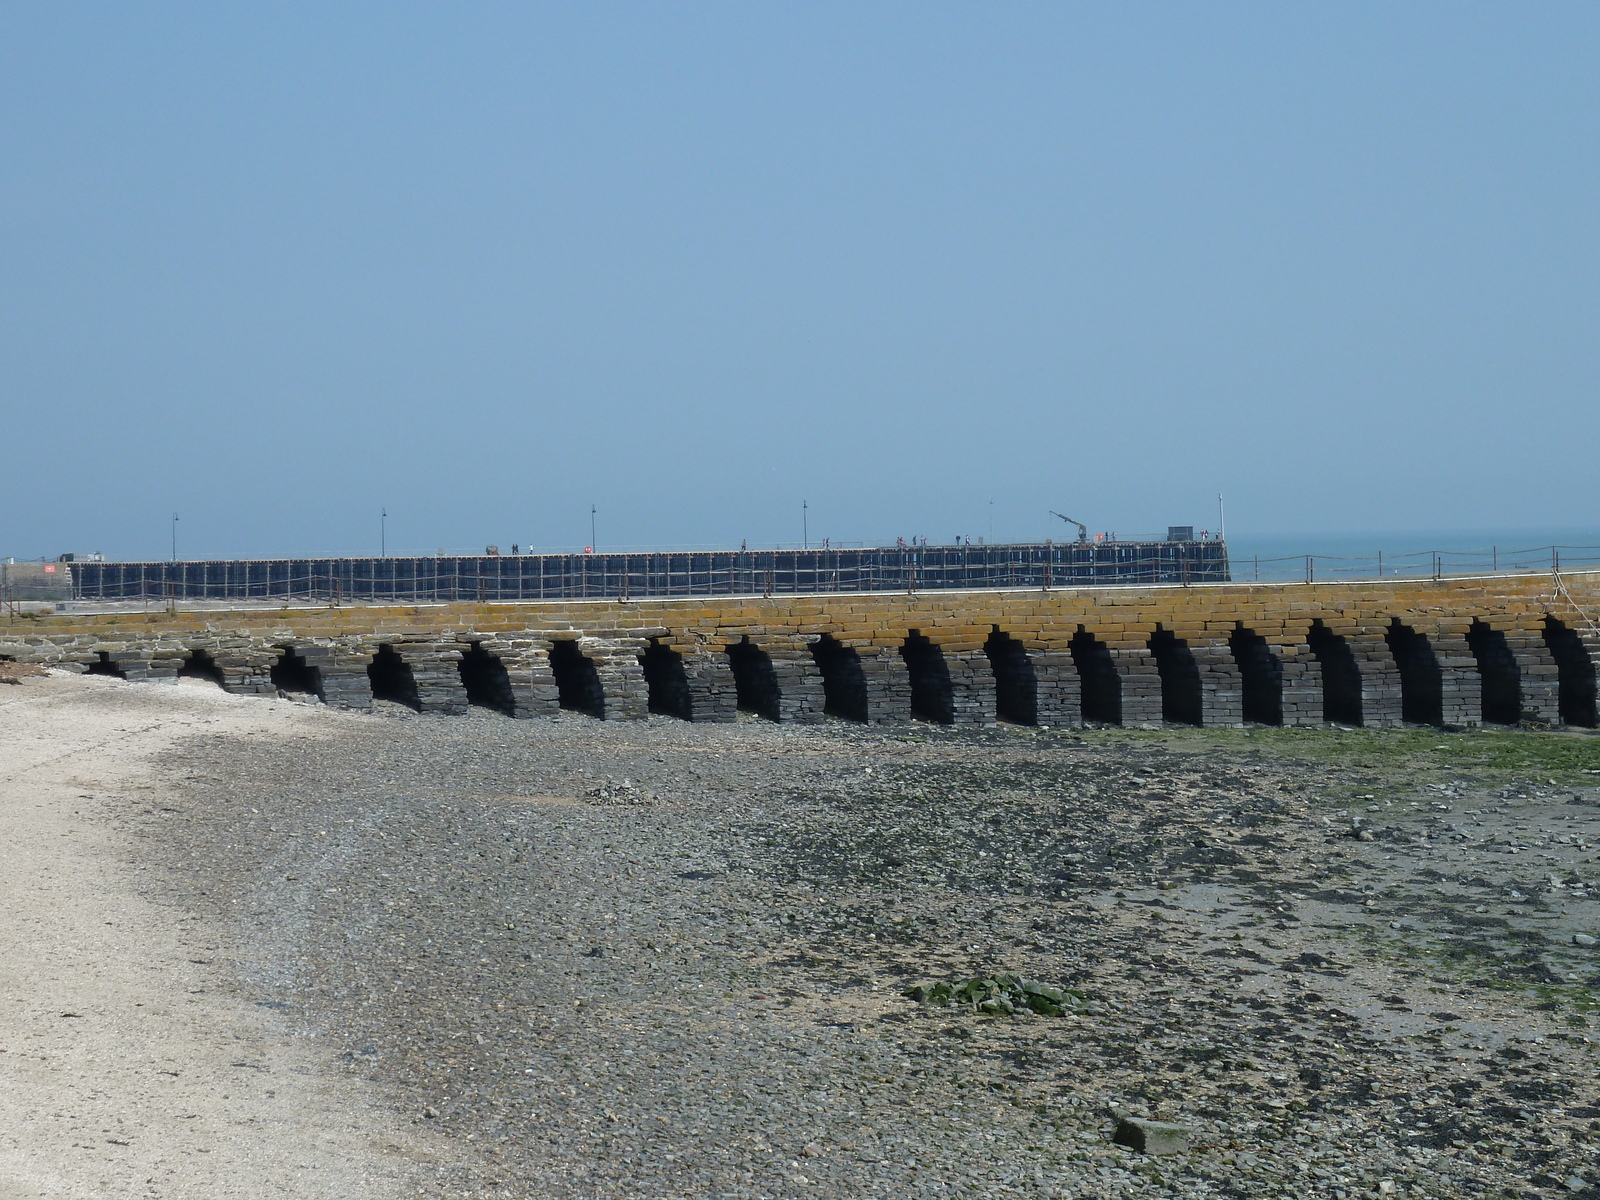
999, 995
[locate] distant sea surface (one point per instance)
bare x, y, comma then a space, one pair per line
1361, 554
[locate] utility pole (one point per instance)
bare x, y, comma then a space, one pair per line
174, 537
805, 526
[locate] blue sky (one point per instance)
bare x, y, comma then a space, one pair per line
932, 268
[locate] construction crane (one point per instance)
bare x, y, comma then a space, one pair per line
1083, 530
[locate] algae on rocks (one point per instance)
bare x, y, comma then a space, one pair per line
999, 994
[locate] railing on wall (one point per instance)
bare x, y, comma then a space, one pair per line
657, 574
1420, 564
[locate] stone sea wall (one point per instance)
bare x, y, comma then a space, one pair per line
1450, 652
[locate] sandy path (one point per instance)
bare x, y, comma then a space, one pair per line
127, 1068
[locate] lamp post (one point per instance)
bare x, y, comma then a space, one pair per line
383, 534
174, 537
805, 526
593, 548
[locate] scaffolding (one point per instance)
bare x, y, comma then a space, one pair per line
653, 575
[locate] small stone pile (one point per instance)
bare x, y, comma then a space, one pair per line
624, 793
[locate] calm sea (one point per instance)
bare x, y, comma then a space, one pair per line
1362, 554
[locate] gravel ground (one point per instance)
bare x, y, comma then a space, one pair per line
655, 959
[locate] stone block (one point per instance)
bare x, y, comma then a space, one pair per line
1152, 1137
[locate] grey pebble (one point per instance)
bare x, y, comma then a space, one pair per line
656, 958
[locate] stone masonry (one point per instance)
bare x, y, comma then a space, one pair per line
1446, 652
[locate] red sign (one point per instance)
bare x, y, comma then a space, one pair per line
49, 568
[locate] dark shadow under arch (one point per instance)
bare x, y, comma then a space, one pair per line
1181, 702
486, 680
666, 681
755, 683
1421, 682
391, 679
577, 679
102, 665
932, 696
1498, 673
292, 673
1575, 674
1016, 688
844, 684
1341, 676
1100, 687
1260, 676
199, 664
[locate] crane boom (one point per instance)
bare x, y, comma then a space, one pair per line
1083, 530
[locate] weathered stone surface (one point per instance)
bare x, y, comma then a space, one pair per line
1152, 1137
1443, 622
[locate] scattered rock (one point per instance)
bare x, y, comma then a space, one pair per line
1152, 1137
1002, 994
757, 929
624, 793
